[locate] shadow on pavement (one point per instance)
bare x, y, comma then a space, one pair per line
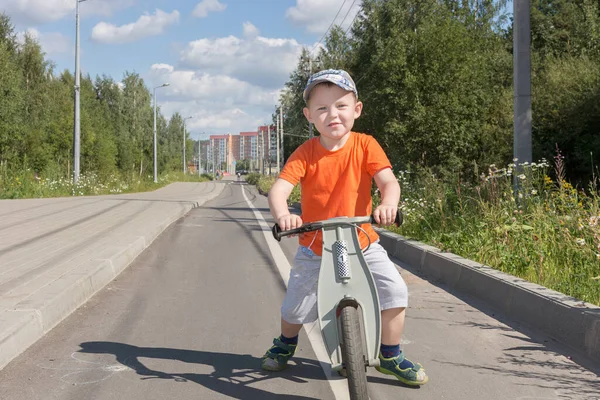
233, 373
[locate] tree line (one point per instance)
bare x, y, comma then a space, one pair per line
36, 118
436, 79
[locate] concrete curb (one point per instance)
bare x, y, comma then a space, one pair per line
568, 320
46, 308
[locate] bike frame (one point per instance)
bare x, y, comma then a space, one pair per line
345, 280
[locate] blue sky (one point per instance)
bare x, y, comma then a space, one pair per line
226, 60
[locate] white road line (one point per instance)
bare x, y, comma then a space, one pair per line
339, 387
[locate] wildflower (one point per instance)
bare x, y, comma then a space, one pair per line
522, 177
515, 159
580, 241
533, 192
594, 220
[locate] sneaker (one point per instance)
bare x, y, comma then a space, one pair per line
414, 376
277, 360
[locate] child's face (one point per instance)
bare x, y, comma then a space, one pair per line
332, 110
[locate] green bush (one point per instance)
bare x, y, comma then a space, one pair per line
253, 178
547, 233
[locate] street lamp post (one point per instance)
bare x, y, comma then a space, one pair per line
77, 119
155, 163
522, 148
184, 165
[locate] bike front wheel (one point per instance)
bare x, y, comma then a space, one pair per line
352, 354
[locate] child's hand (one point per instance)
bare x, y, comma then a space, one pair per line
289, 221
385, 214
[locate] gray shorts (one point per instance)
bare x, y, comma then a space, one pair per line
300, 303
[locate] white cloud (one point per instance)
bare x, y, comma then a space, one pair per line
205, 6
228, 84
145, 26
250, 31
188, 84
51, 42
213, 120
41, 11
261, 61
316, 15
218, 103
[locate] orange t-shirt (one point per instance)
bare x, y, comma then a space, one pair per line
335, 183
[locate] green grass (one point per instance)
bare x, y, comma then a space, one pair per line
24, 184
547, 233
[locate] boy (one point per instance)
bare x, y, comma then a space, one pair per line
336, 170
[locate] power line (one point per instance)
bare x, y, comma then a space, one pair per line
353, 19
332, 22
346, 16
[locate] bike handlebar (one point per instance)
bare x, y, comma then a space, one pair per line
315, 226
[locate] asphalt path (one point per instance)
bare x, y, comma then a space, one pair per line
191, 317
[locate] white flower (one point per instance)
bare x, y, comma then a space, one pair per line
533, 192
522, 177
580, 241
594, 220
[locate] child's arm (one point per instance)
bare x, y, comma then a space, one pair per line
278, 195
389, 188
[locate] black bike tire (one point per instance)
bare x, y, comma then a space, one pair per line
352, 354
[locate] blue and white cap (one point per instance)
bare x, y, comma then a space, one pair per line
336, 76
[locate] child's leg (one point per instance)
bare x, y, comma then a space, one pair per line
392, 324
393, 297
299, 307
290, 330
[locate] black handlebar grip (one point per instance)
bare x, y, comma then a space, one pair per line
398, 221
276, 232
399, 218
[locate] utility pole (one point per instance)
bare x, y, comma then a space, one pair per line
269, 143
278, 146
281, 126
184, 163
310, 72
310, 125
262, 152
155, 162
522, 83
77, 118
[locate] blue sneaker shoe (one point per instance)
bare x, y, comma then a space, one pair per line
276, 358
413, 376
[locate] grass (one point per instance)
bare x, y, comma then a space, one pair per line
24, 184
547, 232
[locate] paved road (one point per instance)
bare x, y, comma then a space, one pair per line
194, 313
